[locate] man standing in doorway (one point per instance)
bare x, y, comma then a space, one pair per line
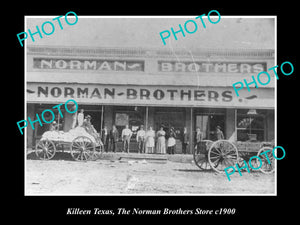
140, 138
126, 135
185, 140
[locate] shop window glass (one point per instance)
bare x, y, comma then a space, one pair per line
250, 127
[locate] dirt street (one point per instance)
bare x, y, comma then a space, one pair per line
63, 177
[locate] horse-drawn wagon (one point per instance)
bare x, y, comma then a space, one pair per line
221, 154
81, 144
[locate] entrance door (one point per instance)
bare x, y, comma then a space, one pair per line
168, 120
134, 117
170, 117
208, 123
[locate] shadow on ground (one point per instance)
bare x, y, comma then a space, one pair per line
194, 170
57, 156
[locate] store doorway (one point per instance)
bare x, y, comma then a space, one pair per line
134, 117
170, 117
208, 121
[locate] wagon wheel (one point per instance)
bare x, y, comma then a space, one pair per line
82, 148
200, 155
266, 167
45, 149
222, 154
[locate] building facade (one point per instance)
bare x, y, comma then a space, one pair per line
154, 87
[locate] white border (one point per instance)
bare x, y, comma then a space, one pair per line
112, 194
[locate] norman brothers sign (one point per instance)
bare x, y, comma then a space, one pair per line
139, 95
211, 67
88, 64
163, 66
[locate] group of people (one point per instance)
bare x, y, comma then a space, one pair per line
160, 142
145, 140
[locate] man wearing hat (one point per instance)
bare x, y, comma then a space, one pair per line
114, 137
53, 126
90, 128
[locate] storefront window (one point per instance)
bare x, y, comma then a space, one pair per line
250, 125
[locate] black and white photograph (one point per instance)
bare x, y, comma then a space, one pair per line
187, 112
150, 105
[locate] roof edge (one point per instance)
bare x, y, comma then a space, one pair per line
147, 52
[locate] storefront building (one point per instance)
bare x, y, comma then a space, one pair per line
153, 87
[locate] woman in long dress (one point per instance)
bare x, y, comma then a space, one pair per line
149, 137
161, 141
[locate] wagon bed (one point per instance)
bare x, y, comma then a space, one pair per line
77, 141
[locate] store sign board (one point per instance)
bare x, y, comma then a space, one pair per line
211, 67
88, 64
150, 95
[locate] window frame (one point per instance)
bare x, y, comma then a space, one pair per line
245, 115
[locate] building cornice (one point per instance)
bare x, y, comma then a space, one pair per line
148, 52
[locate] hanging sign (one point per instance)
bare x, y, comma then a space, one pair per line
150, 95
